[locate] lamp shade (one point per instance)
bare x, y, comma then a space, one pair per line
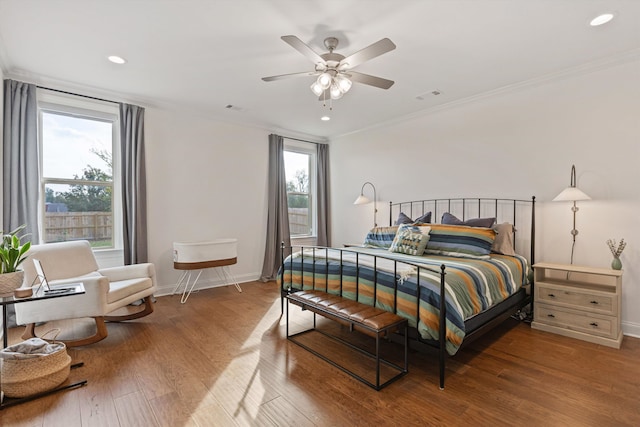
316, 88
361, 200
324, 80
343, 83
571, 194
334, 91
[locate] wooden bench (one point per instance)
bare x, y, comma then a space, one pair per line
358, 316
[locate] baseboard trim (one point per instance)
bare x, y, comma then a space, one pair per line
631, 329
165, 290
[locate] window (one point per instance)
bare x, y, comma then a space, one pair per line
300, 171
78, 173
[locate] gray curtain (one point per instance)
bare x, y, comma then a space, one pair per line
324, 231
278, 211
20, 165
20, 159
134, 184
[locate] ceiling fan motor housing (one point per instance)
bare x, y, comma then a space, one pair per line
331, 43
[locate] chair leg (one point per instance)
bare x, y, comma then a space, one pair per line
101, 333
148, 309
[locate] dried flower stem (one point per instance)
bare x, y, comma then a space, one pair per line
616, 249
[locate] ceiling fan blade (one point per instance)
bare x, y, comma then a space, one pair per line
286, 76
370, 80
378, 48
301, 47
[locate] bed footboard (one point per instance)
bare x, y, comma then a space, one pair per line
308, 280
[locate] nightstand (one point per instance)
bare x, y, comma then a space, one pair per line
579, 302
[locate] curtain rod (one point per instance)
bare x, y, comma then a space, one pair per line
303, 140
77, 94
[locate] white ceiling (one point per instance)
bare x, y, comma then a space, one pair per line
203, 55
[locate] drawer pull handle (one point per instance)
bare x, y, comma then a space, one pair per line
551, 295
550, 315
594, 302
594, 324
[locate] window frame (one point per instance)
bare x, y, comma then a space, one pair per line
310, 149
90, 109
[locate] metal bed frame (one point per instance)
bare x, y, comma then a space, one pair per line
475, 326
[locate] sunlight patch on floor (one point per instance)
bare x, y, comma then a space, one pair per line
240, 388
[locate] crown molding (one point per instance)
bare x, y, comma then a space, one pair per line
86, 90
590, 67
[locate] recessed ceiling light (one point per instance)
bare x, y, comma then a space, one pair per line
601, 19
116, 59
325, 118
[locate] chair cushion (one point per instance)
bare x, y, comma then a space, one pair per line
123, 288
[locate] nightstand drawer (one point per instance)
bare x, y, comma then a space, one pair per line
589, 323
572, 297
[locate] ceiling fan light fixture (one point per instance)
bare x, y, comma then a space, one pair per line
343, 83
324, 80
316, 88
335, 91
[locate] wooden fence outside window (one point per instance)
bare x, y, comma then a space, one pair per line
92, 226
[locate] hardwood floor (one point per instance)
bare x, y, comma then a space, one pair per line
221, 359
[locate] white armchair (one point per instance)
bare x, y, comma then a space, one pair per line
107, 290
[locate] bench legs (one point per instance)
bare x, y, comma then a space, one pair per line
402, 370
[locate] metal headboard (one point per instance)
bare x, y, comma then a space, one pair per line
519, 212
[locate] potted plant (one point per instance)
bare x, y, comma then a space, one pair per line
12, 254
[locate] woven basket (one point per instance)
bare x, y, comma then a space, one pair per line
26, 377
10, 282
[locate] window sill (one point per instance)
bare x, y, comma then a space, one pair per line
304, 240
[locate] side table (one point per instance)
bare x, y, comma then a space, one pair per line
579, 302
7, 300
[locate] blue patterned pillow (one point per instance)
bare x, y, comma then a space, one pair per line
380, 237
410, 240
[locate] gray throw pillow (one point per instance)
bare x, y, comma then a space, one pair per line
404, 219
449, 219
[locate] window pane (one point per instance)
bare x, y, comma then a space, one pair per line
73, 146
79, 212
298, 197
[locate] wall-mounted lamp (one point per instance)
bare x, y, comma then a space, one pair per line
362, 199
572, 194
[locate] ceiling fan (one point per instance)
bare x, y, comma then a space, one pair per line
335, 72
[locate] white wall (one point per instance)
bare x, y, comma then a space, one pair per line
516, 144
205, 180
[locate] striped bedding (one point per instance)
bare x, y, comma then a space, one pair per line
472, 285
